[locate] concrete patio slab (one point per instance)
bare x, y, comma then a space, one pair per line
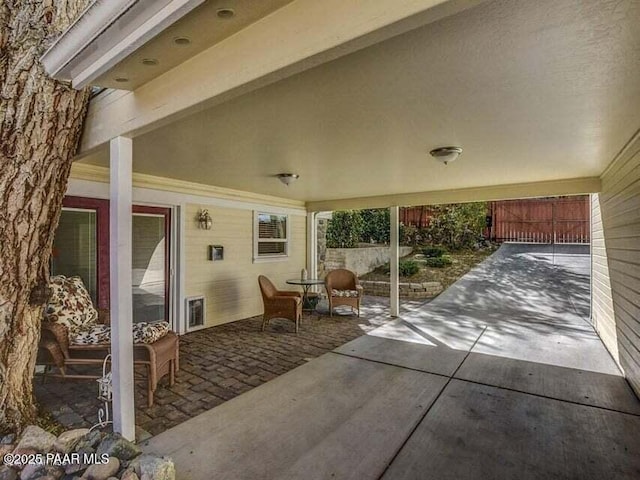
548, 344
421, 347
517, 323
480, 432
581, 386
335, 417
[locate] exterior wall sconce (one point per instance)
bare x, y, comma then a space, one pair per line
204, 220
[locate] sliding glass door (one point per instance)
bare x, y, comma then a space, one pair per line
150, 264
81, 248
75, 248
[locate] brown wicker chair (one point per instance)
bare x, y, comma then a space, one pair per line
343, 288
279, 303
159, 358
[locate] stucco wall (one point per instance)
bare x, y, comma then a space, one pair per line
359, 260
616, 262
231, 286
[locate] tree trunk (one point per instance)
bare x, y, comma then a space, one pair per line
40, 125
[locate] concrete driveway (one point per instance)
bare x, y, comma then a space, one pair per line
501, 376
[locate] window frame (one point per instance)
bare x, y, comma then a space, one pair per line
257, 258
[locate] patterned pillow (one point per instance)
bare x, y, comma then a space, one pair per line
70, 304
94, 335
145, 332
344, 293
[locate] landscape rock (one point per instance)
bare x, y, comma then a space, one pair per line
129, 474
72, 468
7, 473
89, 442
68, 440
150, 467
7, 439
116, 445
6, 448
41, 472
102, 471
36, 438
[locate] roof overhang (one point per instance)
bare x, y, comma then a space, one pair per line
106, 33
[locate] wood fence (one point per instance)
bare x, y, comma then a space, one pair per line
536, 220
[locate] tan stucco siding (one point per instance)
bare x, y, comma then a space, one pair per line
230, 286
616, 261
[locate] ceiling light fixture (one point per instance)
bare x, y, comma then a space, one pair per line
446, 154
149, 62
225, 13
182, 41
288, 178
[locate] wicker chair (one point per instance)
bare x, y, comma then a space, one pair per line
159, 358
279, 303
343, 288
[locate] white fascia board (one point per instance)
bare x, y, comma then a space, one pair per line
95, 42
95, 19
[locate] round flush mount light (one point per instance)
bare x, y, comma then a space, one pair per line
225, 13
121, 79
182, 41
446, 155
149, 62
288, 178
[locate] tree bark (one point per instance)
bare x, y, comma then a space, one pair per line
40, 126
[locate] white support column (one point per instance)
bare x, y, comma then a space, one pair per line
312, 244
121, 160
394, 257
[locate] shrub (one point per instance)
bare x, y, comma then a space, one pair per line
431, 252
438, 262
407, 268
344, 229
376, 225
457, 226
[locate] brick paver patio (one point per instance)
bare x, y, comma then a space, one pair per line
217, 364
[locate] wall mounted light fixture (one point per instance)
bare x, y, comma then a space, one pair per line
204, 220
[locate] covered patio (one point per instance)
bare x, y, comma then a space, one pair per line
518, 370
216, 365
499, 377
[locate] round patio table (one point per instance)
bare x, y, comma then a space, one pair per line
306, 284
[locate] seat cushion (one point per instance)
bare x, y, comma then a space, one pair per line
93, 335
145, 332
345, 293
70, 304
98, 334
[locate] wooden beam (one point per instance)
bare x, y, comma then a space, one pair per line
571, 186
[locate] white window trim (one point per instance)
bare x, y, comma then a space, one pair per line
287, 241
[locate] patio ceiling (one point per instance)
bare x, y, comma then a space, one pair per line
532, 91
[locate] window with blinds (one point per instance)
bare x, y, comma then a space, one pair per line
271, 235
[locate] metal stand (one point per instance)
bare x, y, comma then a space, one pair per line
105, 395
